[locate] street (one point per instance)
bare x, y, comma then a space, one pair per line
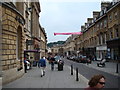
88, 72
63, 79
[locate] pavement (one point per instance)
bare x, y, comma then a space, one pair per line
110, 67
52, 79
58, 79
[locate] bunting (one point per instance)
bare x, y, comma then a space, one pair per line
75, 33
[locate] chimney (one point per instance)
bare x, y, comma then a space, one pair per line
104, 5
95, 14
82, 28
89, 20
86, 25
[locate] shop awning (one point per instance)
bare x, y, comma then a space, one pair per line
31, 50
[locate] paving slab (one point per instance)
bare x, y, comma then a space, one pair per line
52, 79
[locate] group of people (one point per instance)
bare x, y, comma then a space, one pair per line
97, 82
42, 64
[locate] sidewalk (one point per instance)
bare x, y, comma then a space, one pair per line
52, 79
109, 68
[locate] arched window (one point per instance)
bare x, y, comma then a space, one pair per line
19, 44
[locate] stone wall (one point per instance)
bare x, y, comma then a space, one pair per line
12, 21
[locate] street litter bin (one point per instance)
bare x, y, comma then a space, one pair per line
60, 65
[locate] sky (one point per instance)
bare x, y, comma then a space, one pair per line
62, 16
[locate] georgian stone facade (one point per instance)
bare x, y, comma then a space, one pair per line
101, 37
43, 42
20, 32
101, 34
12, 43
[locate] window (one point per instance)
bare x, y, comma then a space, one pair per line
115, 15
105, 23
103, 39
19, 43
105, 9
97, 26
99, 37
110, 18
111, 34
101, 25
117, 33
101, 13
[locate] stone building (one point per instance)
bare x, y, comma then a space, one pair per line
32, 41
12, 42
55, 49
101, 34
69, 46
21, 37
113, 32
43, 42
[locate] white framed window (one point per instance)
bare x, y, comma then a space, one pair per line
115, 15
101, 25
110, 18
105, 23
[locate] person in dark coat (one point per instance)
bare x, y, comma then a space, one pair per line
52, 61
25, 65
97, 82
42, 65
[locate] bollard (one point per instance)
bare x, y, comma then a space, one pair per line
117, 67
71, 69
77, 79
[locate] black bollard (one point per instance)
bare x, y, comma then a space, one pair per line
117, 67
77, 79
71, 69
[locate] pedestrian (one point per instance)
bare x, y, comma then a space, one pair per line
42, 65
52, 61
25, 65
97, 82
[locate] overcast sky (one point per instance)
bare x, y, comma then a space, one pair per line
59, 16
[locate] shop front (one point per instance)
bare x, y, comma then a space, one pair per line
114, 47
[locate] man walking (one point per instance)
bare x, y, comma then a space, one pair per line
52, 60
42, 65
